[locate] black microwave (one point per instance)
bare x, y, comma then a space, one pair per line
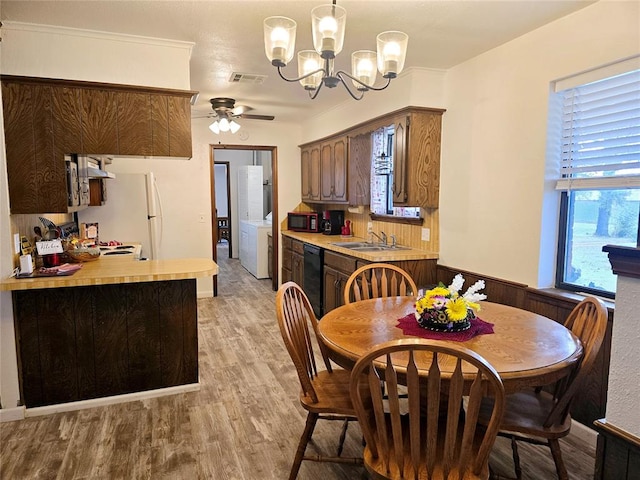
303, 222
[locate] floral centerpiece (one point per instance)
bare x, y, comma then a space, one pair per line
445, 309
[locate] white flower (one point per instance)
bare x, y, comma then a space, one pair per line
456, 284
472, 295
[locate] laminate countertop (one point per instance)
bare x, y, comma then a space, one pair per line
119, 270
391, 255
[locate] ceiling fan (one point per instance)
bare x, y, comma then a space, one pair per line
226, 108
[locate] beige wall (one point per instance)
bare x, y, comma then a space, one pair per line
494, 142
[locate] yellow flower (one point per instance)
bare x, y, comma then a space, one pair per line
457, 309
473, 305
437, 292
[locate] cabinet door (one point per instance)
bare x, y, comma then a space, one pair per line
339, 148
310, 181
297, 268
179, 126
19, 106
326, 171
334, 282
67, 138
99, 121
400, 161
423, 159
134, 124
359, 171
160, 125
330, 287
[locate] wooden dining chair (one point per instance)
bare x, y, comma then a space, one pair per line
542, 418
377, 280
430, 436
324, 393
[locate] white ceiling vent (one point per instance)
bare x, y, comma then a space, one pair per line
254, 78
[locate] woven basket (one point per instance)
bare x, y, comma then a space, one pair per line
83, 254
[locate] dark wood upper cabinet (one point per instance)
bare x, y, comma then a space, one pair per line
134, 124
45, 119
100, 121
345, 160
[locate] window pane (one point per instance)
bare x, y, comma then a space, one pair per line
597, 218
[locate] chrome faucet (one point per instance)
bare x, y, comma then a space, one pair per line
382, 237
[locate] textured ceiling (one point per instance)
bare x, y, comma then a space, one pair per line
228, 36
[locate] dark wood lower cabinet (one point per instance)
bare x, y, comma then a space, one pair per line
89, 342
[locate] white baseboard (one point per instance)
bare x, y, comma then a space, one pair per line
583, 434
12, 414
204, 294
104, 401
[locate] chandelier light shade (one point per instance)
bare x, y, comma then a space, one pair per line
316, 67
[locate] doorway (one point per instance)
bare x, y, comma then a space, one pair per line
226, 155
222, 180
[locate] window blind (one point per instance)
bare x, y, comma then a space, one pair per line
600, 144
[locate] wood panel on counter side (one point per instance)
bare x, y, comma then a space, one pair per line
89, 342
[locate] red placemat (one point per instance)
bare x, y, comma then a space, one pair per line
410, 326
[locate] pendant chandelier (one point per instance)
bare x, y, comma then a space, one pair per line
316, 67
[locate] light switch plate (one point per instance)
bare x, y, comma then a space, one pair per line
16, 243
426, 234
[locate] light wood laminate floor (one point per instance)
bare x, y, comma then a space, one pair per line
243, 424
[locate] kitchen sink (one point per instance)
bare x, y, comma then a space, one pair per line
368, 247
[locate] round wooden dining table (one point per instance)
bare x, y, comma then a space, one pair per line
526, 349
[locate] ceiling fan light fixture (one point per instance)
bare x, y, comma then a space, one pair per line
234, 126
223, 124
215, 128
316, 67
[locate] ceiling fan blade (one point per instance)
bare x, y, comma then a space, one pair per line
240, 110
208, 115
257, 117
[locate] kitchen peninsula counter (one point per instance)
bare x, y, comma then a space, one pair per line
117, 326
119, 271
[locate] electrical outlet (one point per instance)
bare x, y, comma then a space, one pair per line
426, 234
16, 243
369, 226
201, 218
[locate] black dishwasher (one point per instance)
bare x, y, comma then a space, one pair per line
312, 282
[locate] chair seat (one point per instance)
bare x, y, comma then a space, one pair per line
332, 390
526, 413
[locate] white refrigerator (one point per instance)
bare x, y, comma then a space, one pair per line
131, 213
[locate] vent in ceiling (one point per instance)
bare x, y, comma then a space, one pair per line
254, 78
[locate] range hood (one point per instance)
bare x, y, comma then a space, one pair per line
95, 168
